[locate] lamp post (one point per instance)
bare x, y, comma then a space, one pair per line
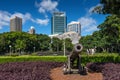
10, 48
51, 44
19, 51
57, 47
34, 49
64, 47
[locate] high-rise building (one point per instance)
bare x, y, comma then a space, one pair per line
74, 26
58, 23
16, 24
32, 30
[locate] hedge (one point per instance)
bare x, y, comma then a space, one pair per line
101, 58
4, 59
85, 58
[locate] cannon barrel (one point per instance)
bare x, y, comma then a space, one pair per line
76, 50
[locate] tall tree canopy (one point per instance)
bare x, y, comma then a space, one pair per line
108, 36
109, 7
18, 42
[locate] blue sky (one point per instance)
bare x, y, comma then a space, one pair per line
38, 13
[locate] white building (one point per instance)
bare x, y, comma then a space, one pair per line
71, 35
74, 26
32, 30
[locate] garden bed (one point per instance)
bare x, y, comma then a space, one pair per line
52, 71
27, 70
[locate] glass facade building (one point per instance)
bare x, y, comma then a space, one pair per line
58, 21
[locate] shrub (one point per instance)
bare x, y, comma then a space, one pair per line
95, 67
84, 58
12, 54
27, 70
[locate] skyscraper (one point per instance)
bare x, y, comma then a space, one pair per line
74, 26
16, 24
58, 23
32, 30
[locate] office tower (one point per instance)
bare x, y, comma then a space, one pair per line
58, 23
32, 30
74, 26
16, 24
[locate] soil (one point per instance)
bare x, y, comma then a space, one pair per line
57, 74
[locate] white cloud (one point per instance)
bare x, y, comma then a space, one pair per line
92, 28
41, 10
88, 24
86, 21
47, 6
92, 8
5, 18
25, 17
42, 21
0, 27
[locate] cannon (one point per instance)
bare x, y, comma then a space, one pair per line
73, 64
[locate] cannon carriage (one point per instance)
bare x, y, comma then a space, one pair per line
73, 64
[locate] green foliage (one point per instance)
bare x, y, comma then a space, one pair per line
19, 42
12, 54
68, 45
108, 7
111, 6
4, 59
87, 41
101, 58
107, 39
85, 58
56, 44
110, 31
42, 42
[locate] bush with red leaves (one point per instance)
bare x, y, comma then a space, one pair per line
27, 70
110, 71
95, 67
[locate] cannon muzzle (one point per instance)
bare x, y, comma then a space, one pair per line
77, 48
76, 51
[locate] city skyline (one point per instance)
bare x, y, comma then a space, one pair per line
38, 13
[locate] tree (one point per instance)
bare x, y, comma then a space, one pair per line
23, 41
87, 41
110, 30
99, 41
2, 44
43, 42
109, 7
68, 44
20, 45
56, 44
